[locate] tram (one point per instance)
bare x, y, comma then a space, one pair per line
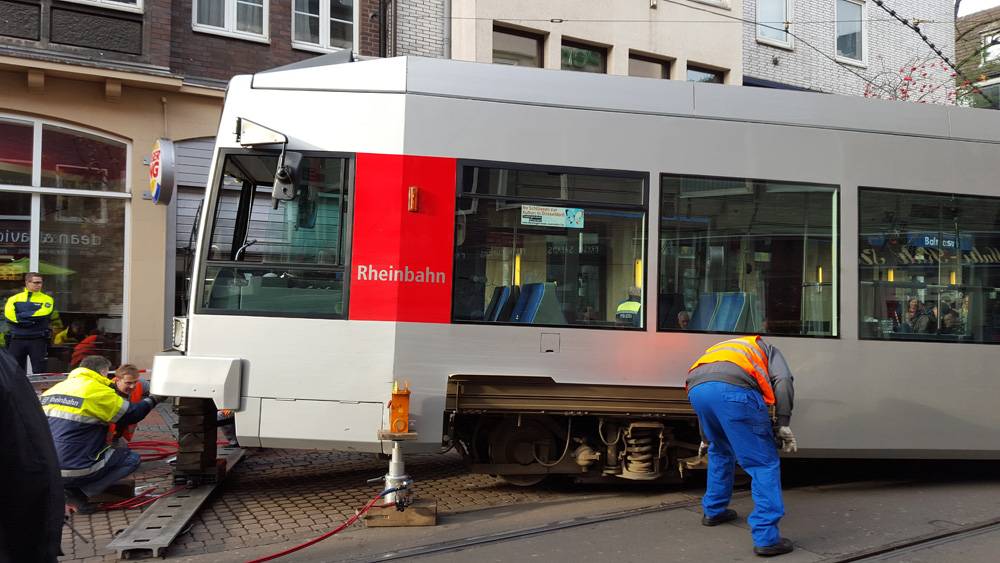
471, 231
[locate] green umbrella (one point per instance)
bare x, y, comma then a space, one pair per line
21, 266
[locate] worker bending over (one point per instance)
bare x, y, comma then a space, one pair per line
731, 388
79, 411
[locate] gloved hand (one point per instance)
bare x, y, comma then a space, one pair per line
702, 449
788, 444
157, 399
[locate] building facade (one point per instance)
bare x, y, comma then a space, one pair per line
850, 47
977, 50
86, 88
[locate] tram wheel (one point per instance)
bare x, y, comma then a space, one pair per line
511, 443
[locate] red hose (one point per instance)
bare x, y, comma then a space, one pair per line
316, 540
140, 500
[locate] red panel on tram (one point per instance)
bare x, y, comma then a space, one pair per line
403, 238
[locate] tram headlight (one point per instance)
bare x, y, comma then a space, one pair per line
179, 338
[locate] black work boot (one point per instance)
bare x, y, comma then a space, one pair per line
782, 547
78, 502
728, 516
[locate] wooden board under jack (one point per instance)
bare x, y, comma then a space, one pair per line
422, 512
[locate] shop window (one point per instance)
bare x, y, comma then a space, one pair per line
243, 19
929, 266
77, 160
648, 67
991, 47
550, 247
700, 74
15, 245
584, 58
16, 140
323, 24
516, 47
748, 256
286, 260
83, 263
773, 14
850, 30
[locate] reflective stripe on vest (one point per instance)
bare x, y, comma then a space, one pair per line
104, 456
748, 355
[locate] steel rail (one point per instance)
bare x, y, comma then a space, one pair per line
922, 541
458, 545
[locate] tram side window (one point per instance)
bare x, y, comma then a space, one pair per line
747, 256
929, 266
550, 248
277, 261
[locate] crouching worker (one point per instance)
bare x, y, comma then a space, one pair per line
731, 388
127, 385
79, 411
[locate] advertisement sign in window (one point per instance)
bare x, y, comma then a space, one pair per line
545, 216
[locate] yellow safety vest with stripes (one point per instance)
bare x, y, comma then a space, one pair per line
79, 412
746, 353
628, 312
29, 314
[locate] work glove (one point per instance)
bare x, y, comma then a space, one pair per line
702, 449
157, 399
787, 439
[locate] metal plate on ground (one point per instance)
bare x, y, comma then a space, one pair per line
163, 521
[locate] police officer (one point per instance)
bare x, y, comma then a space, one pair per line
629, 312
79, 411
29, 314
731, 388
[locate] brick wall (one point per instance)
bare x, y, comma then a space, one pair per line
420, 28
891, 46
369, 28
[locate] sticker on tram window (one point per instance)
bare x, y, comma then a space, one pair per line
566, 217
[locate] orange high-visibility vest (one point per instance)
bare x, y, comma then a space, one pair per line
746, 353
129, 431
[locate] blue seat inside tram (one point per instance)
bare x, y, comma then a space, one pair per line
538, 304
502, 303
729, 315
724, 312
702, 317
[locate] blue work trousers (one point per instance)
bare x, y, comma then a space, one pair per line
122, 463
735, 423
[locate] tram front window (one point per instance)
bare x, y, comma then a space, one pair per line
747, 256
548, 247
286, 260
929, 266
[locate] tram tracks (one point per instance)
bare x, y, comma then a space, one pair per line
917, 543
475, 541
877, 553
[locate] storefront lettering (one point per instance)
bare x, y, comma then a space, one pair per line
9, 236
905, 257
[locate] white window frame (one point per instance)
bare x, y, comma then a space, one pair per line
36, 190
863, 62
324, 29
984, 39
722, 4
229, 19
790, 43
136, 8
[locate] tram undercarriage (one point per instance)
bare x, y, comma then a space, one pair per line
524, 429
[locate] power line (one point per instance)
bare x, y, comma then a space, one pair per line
915, 26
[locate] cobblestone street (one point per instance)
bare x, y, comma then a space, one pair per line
279, 495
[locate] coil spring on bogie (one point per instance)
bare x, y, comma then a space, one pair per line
641, 446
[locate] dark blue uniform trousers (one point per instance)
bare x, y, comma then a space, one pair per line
35, 348
735, 423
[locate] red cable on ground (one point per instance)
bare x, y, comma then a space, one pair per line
140, 500
347, 523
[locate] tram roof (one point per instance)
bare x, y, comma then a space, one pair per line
601, 92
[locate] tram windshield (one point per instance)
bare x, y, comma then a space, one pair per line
285, 260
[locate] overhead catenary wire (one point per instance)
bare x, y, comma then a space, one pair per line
914, 25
